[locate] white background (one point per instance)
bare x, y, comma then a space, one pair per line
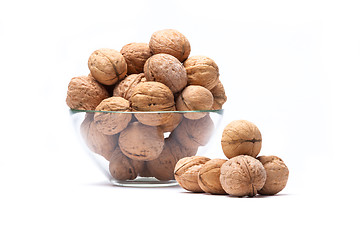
291, 67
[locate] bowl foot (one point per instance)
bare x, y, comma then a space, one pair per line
149, 182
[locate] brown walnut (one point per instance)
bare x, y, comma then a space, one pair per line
166, 69
242, 176
107, 66
141, 142
186, 172
122, 167
135, 55
202, 71
126, 87
172, 42
84, 93
277, 174
241, 137
112, 123
219, 95
209, 176
172, 123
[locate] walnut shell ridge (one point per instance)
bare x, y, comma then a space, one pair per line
202, 71
219, 95
135, 55
122, 167
125, 88
209, 176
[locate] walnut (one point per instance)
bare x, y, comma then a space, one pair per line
126, 87
172, 123
122, 167
242, 176
112, 123
219, 95
209, 177
241, 137
141, 142
202, 71
277, 174
152, 96
172, 42
194, 133
84, 93
194, 98
166, 69
135, 55
96, 141
107, 66
186, 172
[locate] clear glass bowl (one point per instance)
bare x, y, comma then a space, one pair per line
140, 149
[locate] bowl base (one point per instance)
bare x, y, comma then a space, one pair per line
149, 182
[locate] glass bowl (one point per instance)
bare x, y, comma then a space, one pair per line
140, 149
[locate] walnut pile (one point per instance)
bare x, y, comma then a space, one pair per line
131, 97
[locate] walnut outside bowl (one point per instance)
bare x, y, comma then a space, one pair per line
140, 149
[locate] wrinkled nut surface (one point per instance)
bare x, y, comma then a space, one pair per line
125, 88
85, 93
112, 123
241, 137
172, 123
209, 176
122, 167
277, 174
219, 95
152, 96
107, 66
202, 71
96, 141
242, 176
194, 133
172, 42
141, 142
166, 69
135, 55
186, 172
194, 98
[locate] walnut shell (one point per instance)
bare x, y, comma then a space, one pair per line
107, 66
241, 137
112, 123
194, 133
209, 176
152, 96
125, 88
122, 167
242, 176
219, 95
277, 174
194, 98
141, 142
186, 172
172, 123
84, 93
96, 141
202, 71
135, 55
172, 42
166, 69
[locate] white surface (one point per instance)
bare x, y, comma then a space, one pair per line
291, 68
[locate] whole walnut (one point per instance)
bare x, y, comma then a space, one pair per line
186, 172
202, 71
241, 137
122, 167
170, 41
209, 176
107, 66
84, 93
194, 133
166, 69
277, 174
172, 123
126, 87
141, 142
242, 176
97, 142
152, 96
219, 95
112, 123
194, 98
135, 55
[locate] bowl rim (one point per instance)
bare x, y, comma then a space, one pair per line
218, 111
